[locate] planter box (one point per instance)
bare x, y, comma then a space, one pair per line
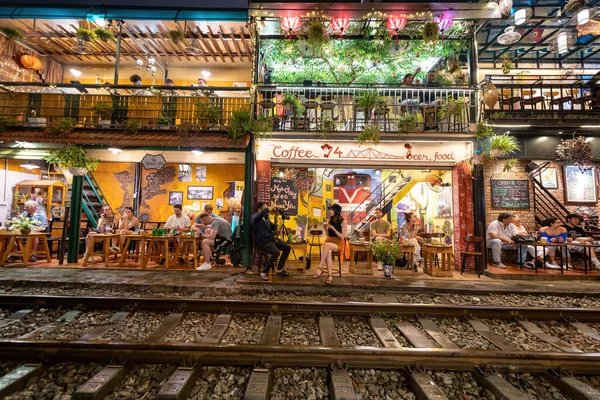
105, 123
37, 122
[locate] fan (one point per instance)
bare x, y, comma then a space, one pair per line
535, 169
509, 36
435, 183
82, 48
193, 48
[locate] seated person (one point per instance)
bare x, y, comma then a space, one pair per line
35, 213
541, 252
128, 225
410, 231
264, 239
553, 232
218, 233
498, 238
575, 235
178, 221
380, 228
208, 208
105, 224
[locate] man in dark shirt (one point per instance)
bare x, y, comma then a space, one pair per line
575, 233
264, 239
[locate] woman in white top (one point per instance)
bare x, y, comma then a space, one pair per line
128, 225
410, 230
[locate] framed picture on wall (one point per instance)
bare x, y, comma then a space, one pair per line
175, 198
580, 187
200, 193
200, 173
549, 178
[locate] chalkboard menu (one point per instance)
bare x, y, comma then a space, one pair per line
284, 195
510, 193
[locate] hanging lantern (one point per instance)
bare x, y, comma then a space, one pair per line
444, 21
490, 95
395, 25
139, 64
505, 7
291, 25
340, 25
30, 62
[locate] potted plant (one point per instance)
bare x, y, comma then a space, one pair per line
575, 152
176, 36
408, 122
132, 126
103, 34
85, 34
387, 252
316, 36
163, 122
24, 225
263, 126
326, 126
72, 158
12, 33
509, 164
104, 111
291, 103
36, 122
60, 126
370, 133
430, 32
501, 145
239, 124
6, 122
367, 101
211, 113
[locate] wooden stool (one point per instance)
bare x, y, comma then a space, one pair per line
14, 246
139, 248
356, 247
433, 266
409, 252
187, 246
315, 234
105, 239
476, 253
158, 248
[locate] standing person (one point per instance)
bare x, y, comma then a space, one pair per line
576, 235
499, 234
106, 222
380, 228
264, 239
218, 233
128, 225
410, 230
35, 213
336, 229
553, 232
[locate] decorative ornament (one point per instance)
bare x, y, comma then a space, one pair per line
291, 25
139, 64
507, 65
394, 25
430, 32
31, 62
505, 7
575, 152
340, 25
153, 70
444, 21
573, 6
490, 95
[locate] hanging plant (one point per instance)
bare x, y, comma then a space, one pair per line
408, 122
575, 152
12, 33
240, 124
455, 109
131, 126
501, 145
370, 134
85, 34
507, 64
316, 36
430, 32
176, 36
104, 34
509, 164
60, 126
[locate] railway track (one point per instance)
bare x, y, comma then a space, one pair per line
266, 337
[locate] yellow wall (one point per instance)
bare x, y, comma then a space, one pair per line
112, 188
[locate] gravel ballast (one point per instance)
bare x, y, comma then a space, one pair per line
226, 383
83, 323
300, 330
137, 326
355, 331
570, 335
534, 385
34, 320
300, 384
460, 385
245, 329
380, 384
463, 334
143, 382
514, 333
193, 327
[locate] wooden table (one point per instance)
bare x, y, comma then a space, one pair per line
301, 248
188, 245
438, 259
356, 247
14, 246
409, 251
105, 253
158, 247
140, 248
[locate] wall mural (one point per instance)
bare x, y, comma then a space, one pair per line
155, 180
125, 179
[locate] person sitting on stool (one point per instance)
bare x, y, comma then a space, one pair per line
264, 239
35, 213
218, 233
499, 234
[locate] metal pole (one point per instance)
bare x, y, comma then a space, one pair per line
472, 58
118, 55
75, 218
137, 187
248, 202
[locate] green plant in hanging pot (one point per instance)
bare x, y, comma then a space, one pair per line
367, 101
507, 64
453, 109
369, 134
72, 158
501, 145
85, 34
12, 33
509, 164
291, 102
132, 126
430, 32
60, 126
239, 124
176, 36
103, 34
316, 34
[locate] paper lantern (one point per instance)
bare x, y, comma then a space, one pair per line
30, 62
340, 25
395, 25
505, 7
444, 21
490, 95
291, 25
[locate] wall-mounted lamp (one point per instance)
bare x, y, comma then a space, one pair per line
115, 151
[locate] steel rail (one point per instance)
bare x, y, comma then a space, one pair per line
295, 356
303, 307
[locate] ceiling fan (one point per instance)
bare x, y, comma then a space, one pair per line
436, 183
193, 48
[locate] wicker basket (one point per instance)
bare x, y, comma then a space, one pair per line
490, 95
573, 6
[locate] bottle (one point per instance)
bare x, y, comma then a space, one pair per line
107, 228
395, 236
180, 232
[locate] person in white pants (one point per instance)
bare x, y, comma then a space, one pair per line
410, 230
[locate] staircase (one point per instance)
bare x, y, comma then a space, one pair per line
545, 205
381, 197
92, 199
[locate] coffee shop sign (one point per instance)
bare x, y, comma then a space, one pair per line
447, 152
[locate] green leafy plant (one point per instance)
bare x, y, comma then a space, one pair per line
103, 110
501, 145
60, 126
12, 33
431, 32
85, 34
509, 164
6, 122
507, 64
387, 251
454, 109
176, 36
71, 157
211, 113
132, 126
301, 220
188, 128
368, 101
370, 134
103, 34
576, 151
263, 126
408, 122
326, 126
239, 124
316, 36
484, 130
162, 120
25, 225
291, 102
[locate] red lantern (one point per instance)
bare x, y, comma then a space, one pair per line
291, 25
30, 62
395, 25
340, 25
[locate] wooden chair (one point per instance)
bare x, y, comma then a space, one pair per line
583, 101
532, 98
476, 253
508, 98
560, 101
315, 236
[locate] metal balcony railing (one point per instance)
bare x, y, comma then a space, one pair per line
395, 109
202, 106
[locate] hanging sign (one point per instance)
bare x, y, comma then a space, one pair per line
591, 28
153, 161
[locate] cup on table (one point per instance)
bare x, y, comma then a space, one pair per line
361, 240
543, 240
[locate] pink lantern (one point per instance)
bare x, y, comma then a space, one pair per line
340, 25
395, 25
444, 22
291, 25
505, 7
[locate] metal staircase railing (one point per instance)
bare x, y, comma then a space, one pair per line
93, 199
545, 205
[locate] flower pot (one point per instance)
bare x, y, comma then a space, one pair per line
388, 269
77, 171
163, 127
25, 231
105, 123
495, 152
37, 122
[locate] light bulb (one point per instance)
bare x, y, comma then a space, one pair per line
114, 150
583, 17
206, 74
75, 72
520, 16
29, 166
197, 153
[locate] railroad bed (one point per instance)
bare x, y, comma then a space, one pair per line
190, 348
